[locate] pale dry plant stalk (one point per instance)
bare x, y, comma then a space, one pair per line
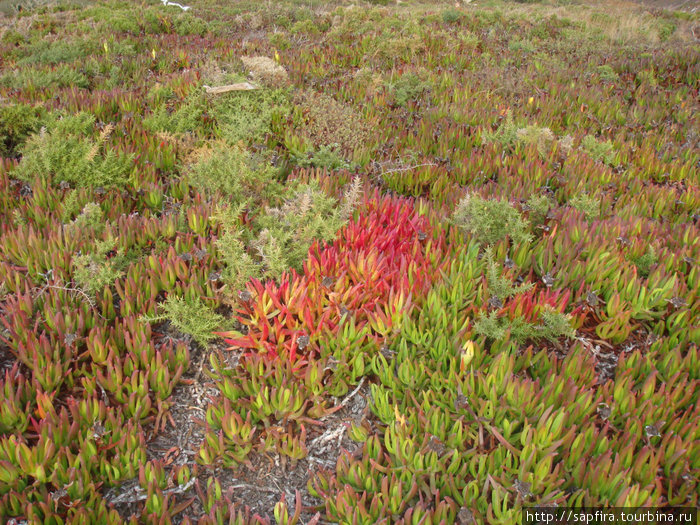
351, 198
104, 135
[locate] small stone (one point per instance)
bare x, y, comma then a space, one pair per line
465, 516
435, 445
303, 342
677, 302
592, 299
495, 302
604, 411
548, 280
652, 431
522, 488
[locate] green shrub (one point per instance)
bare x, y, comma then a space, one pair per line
280, 41
538, 207
233, 171
505, 135
93, 271
501, 286
491, 221
553, 325
600, 151
191, 317
542, 138
90, 219
67, 151
188, 117
307, 27
328, 157
607, 73
450, 16
38, 78
525, 46
408, 87
248, 116
287, 232
645, 262
586, 204
17, 122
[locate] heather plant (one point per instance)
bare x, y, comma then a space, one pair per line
491, 220
95, 270
287, 231
326, 121
501, 286
554, 325
189, 316
408, 87
236, 173
598, 150
249, 116
66, 151
17, 122
328, 157
589, 206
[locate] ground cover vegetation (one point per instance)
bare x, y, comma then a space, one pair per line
440, 265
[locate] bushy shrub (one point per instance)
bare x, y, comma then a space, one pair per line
66, 151
553, 325
597, 150
450, 16
491, 220
248, 116
188, 117
233, 171
191, 317
645, 262
327, 157
327, 121
95, 270
499, 285
542, 138
288, 231
17, 122
607, 73
586, 204
408, 87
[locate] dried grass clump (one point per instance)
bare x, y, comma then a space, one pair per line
266, 71
331, 122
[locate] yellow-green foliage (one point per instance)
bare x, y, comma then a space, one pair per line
235, 173
93, 271
191, 317
491, 220
17, 121
67, 150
